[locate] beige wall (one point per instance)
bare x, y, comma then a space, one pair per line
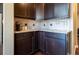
8, 28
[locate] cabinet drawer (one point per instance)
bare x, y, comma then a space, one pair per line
28, 34
24, 35
55, 35
19, 36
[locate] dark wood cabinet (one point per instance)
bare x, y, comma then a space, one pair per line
30, 11
42, 42
23, 43
50, 46
49, 43
60, 46
42, 11
52, 43
48, 11
56, 10
24, 10
26, 43
35, 41
55, 46
39, 11
55, 43
20, 10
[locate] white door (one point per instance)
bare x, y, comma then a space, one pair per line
0, 29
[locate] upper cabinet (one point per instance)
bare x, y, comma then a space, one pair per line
48, 10
24, 10
39, 11
42, 11
56, 10
19, 10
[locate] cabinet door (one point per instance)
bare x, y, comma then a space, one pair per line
26, 10
55, 46
22, 48
29, 46
39, 11
30, 11
23, 44
35, 42
48, 11
20, 10
60, 46
50, 46
42, 42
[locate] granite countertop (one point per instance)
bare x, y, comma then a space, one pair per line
58, 31
25, 31
54, 30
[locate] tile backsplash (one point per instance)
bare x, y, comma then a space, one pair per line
45, 24
31, 24
56, 24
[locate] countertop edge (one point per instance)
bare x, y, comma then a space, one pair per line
55, 31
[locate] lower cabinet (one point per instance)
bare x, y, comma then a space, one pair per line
55, 46
50, 46
23, 43
49, 43
53, 43
35, 41
42, 42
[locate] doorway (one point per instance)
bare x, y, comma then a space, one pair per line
1, 29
